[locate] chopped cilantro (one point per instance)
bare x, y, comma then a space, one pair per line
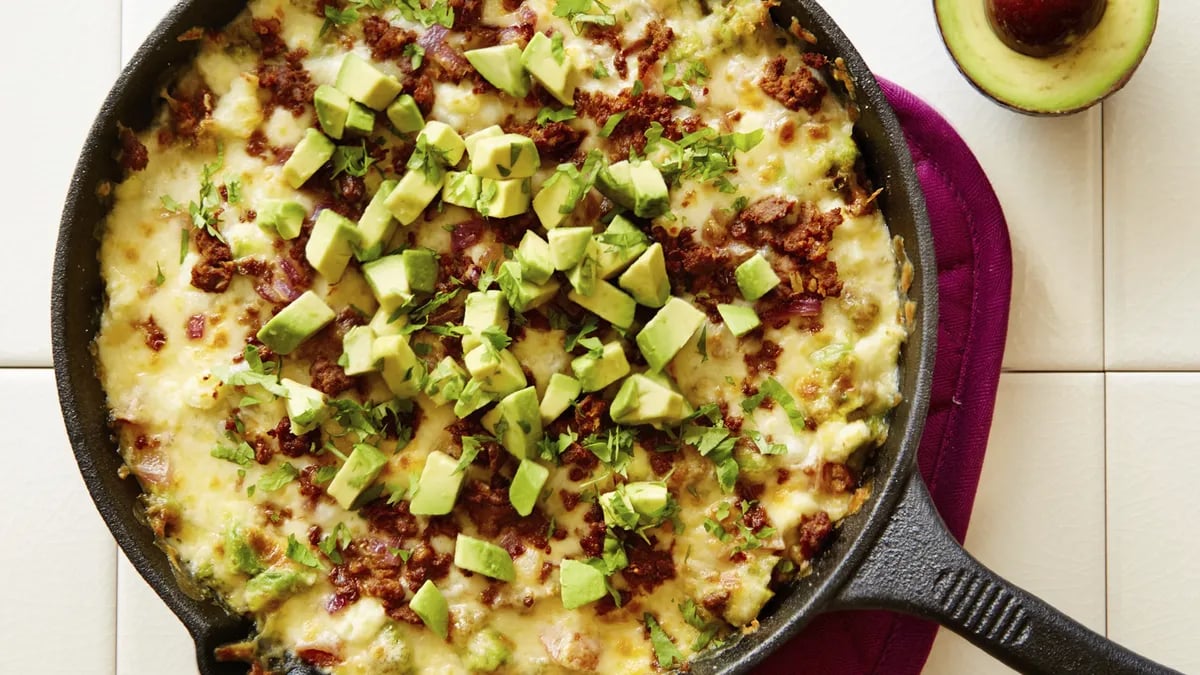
233, 191
599, 71
471, 445
665, 651
753, 539
589, 325
638, 88
438, 12
265, 375
160, 278
578, 12
495, 337
334, 543
352, 160
325, 474
611, 123
338, 17
765, 447
717, 530
547, 115
279, 477
556, 49
302, 554
428, 159
242, 454
400, 553
416, 53
702, 343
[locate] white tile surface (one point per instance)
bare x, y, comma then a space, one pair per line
58, 563
137, 20
1151, 230
1025, 526
149, 637
1045, 171
1153, 508
41, 147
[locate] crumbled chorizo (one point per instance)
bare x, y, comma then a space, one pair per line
134, 155
800, 90
214, 270
290, 85
387, 42
154, 337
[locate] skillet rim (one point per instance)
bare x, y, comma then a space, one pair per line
890, 166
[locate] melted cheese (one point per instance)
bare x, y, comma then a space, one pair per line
175, 398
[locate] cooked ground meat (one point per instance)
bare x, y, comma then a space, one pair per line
387, 42
134, 155
814, 533
292, 445
800, 90
763, 360
648, 567
268, 32
154, 337
290, 85
213, 272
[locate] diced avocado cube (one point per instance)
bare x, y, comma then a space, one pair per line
376, 226
446, 382
584, 276
597, 372
646, 279
472, 398
642, 400
755, 277
607, 303
649, 190
461, 189
534, 255
558, 196
486, 651
295, 323
401, 368
618, 510
522, 294
739, 319
496, 370
305, 406
552, 70
382, 324
413, 193
360, 121
620, 244
310, 155
404, 114
396, 278
332, 109
270, 587
561, 392
365, 83
361, 469
284, 215
501, 65
444, 139
331, 244
483, 310
580, 584
429, 604
519, 424
649, 499
667, 333
391, 654
486, 132
503, 198
527, 485
567, 246
505, 156
356, 350
614, 181
438, 486
482, 557
239, 554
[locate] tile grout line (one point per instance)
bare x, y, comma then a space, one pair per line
1104, 351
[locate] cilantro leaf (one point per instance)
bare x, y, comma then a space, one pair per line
547, 115
279, 477
325, 474
416, 53
302, 554
578, 12
589, 325
665, 651
242, 454
495, 337
471, 445
702, 343
611, 123
355, 161
160, 278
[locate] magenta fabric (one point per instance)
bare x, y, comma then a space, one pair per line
974, 265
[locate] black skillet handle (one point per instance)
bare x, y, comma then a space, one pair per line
917, 568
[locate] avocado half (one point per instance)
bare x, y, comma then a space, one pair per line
1097, 65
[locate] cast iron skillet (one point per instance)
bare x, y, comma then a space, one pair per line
894, 554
